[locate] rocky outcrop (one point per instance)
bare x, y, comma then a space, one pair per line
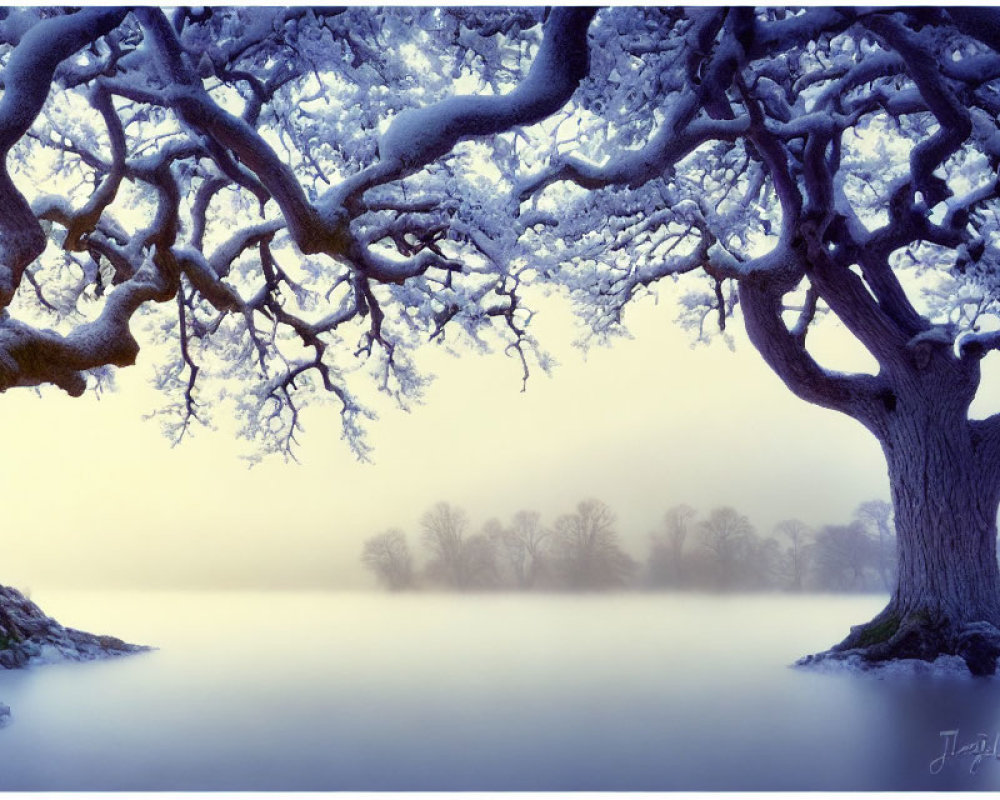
28, 637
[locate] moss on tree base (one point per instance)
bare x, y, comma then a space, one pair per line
919, 634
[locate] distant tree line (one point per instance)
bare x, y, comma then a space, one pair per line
724, 551
582, 551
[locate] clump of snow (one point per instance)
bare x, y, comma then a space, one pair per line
4, 714
48, 654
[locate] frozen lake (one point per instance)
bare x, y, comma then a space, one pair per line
344, 691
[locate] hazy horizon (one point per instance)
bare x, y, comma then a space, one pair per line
97, 497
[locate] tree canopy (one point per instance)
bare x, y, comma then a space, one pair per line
293, 196
289, 197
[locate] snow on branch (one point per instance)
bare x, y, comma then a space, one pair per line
186, 94
674, 141
287, 203
952, 115
977, 345
418, 136
32, 357
27, 79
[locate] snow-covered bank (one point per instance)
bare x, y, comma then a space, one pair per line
29, 637
944, 666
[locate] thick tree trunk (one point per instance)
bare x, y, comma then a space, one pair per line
947, 595
946, 519
944, 470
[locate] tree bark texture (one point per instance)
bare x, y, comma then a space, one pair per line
945, 509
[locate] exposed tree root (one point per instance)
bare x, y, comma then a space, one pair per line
919, 635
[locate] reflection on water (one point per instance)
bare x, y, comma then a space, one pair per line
374, 692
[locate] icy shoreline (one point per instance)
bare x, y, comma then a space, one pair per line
944, 666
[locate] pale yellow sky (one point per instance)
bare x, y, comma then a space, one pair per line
95, 496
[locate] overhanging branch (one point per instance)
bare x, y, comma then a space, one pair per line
785, 353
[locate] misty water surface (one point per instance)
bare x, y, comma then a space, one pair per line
433, 692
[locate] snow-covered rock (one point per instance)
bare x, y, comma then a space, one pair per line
28, 636
48, 654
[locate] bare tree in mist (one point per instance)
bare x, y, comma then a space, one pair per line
481, 562
458, 560
388, 556
732, 555
522, 548
877, 515
665, 566
728, 554
845, 558
586, 549
726, 537
444, 530
763, 563
797, 556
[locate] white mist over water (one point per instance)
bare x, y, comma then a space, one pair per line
354, 691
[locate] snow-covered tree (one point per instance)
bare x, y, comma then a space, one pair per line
290, 200
792, 164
